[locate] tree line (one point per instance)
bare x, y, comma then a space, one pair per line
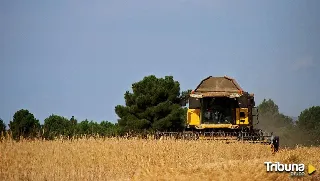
25, 125
154, 105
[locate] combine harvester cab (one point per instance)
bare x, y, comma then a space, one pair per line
220, 109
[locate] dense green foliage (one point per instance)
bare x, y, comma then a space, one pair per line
309, 124
24, 124
155, 104
56, 125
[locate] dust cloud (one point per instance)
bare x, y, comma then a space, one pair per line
289, 134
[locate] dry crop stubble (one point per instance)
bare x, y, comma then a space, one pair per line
112, 159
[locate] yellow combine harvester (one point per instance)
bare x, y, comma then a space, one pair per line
220, 109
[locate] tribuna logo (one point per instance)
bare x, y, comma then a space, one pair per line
279, 167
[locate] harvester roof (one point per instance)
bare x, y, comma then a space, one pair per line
218, 87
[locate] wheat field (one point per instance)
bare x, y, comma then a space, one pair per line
120, 159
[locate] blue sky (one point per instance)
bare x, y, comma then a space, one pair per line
79, 57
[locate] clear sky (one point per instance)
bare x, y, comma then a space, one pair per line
79, 57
